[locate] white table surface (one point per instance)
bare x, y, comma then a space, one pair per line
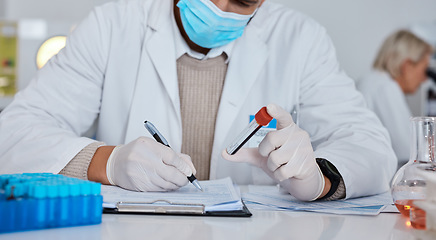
270, 225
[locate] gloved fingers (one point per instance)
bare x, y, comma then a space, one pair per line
248, 155
298, 167
307, 189
142, 165
188, 160
284, 119
279, 158
292, 152
284, 172
144, 184
275, 139
171, 158
164, 185
169, 178
151, 181
143, 141
283, 164
287, 151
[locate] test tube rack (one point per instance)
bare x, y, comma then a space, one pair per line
32, 201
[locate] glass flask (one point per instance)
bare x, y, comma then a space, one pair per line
407, 184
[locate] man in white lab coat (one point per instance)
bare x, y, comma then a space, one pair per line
198, 69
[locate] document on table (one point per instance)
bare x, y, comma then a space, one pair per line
271, 198
218, 195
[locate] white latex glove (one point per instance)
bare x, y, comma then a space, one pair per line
146, 165
287, 156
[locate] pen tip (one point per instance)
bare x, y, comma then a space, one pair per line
197, 185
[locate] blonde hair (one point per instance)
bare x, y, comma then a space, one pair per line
399, 47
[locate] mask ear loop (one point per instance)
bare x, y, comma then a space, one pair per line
254, 14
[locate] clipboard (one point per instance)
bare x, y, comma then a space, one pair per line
164, 207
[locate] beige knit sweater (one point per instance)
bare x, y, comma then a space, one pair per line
200, 86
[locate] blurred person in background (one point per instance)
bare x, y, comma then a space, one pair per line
399, 69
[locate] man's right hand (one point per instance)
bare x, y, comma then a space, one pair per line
146, 165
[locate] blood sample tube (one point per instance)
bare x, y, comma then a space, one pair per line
262, 118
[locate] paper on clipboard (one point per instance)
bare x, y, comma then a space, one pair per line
218, 196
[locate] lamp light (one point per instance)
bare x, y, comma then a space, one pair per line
48, 49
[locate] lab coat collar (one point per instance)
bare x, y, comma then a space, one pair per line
160, 14
161, 49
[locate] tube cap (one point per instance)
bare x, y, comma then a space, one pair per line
262, 117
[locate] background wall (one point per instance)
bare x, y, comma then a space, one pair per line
357, 27
39, 20
2, 8
72, 10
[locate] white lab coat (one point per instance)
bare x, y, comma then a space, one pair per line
118, 69
385, 97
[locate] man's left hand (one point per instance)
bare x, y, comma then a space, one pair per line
287, 156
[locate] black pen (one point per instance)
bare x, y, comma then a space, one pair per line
160, 138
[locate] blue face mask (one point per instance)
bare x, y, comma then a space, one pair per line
208, 26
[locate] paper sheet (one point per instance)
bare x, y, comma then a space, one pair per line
218, 195
270, 197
